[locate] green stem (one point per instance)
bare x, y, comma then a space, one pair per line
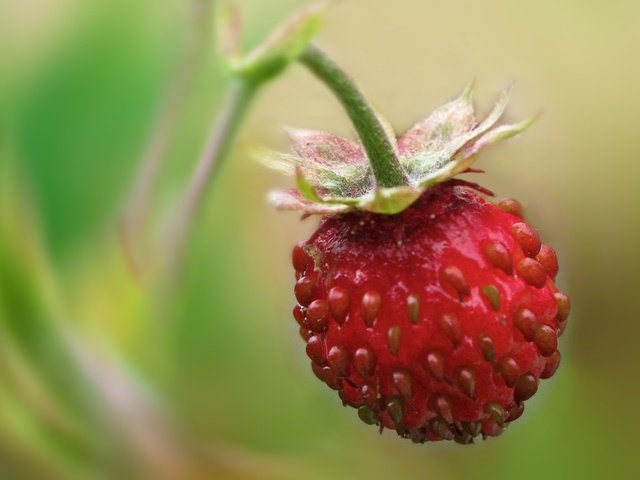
221, 139
382, 155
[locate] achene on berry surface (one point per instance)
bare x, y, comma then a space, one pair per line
431, 310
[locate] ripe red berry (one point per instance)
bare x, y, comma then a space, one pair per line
425, 326
429, 309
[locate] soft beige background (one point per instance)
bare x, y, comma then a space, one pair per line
81, 81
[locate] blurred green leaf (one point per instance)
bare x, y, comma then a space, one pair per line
81, 125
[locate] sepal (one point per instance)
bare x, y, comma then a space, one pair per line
333, 174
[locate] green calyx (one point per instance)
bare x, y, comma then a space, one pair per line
336, 175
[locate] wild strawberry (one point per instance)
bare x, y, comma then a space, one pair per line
428, 308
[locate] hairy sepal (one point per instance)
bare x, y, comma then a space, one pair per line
334, 171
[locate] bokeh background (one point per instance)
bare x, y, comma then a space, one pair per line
105, 373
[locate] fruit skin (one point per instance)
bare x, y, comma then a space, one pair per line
434, 321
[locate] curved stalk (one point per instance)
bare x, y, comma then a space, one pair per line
380, 151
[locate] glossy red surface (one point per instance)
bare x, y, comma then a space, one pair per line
429, 333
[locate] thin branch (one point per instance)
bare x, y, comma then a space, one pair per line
220, 140
136, 213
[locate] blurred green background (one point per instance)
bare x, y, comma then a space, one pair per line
107, 375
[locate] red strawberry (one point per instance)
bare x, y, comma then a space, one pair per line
438, 321
428, 308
